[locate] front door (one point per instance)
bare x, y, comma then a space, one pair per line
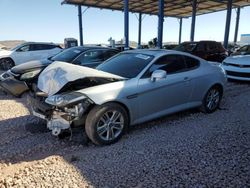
166, 95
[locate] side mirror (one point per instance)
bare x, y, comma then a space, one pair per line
158, 75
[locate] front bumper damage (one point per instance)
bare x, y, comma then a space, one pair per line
63, 118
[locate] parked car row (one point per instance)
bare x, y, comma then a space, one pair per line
208, 50
106, 91
21, 78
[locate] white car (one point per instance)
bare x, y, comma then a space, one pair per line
237, 67
26, 52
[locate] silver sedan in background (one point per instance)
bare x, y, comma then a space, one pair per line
130, 88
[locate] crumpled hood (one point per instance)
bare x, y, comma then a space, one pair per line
5, 53
58, 74
239, 60
29, 66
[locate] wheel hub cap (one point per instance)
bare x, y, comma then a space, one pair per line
110, 125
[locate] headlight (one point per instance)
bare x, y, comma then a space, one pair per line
66, 99
30, 75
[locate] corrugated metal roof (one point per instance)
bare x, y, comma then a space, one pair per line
172, 8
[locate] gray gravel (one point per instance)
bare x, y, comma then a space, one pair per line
188, 149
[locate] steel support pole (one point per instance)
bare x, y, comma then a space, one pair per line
139, 31
237, 25
160, 23
80, 24
180, 30
228, 20
126, 24
194, 8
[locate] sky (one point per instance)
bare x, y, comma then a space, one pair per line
49, 21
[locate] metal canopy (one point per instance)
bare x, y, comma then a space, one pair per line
172, 8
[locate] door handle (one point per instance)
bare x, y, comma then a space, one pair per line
186, 79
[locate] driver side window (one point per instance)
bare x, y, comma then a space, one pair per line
169, 63
90, 56
24, 48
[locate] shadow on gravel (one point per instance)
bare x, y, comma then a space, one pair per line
164, 119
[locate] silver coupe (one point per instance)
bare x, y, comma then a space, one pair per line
127, 89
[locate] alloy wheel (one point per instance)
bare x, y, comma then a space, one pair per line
213, 99
110, 125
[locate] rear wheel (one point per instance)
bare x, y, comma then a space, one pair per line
6, 63
106, 124
211, 100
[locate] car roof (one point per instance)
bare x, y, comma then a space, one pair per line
202, 41
84, 48
157, 52
50, 43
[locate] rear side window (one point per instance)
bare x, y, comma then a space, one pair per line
191, 62
35, 47
212, 46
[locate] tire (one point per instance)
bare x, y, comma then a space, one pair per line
6, 63
106, 124
211, 100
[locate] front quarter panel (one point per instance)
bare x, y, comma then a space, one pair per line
123, 92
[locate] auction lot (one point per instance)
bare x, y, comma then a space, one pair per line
188, 149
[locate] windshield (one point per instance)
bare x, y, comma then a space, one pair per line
67, 55
186, 47
127, 65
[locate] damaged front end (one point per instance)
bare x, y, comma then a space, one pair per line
61, 97
62, 111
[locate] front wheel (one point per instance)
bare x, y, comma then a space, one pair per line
106, 124
211, 100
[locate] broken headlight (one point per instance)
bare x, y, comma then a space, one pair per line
30, 75
65, 99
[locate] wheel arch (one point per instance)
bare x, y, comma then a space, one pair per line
8, 57
219, 85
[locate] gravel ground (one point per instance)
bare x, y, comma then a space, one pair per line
188, 149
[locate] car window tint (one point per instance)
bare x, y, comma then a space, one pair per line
35, 47
49, 46
68, 55
200, 47
170, 63
212, 46
24, 48
108, 54
248, 49
91, 56
191, 62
